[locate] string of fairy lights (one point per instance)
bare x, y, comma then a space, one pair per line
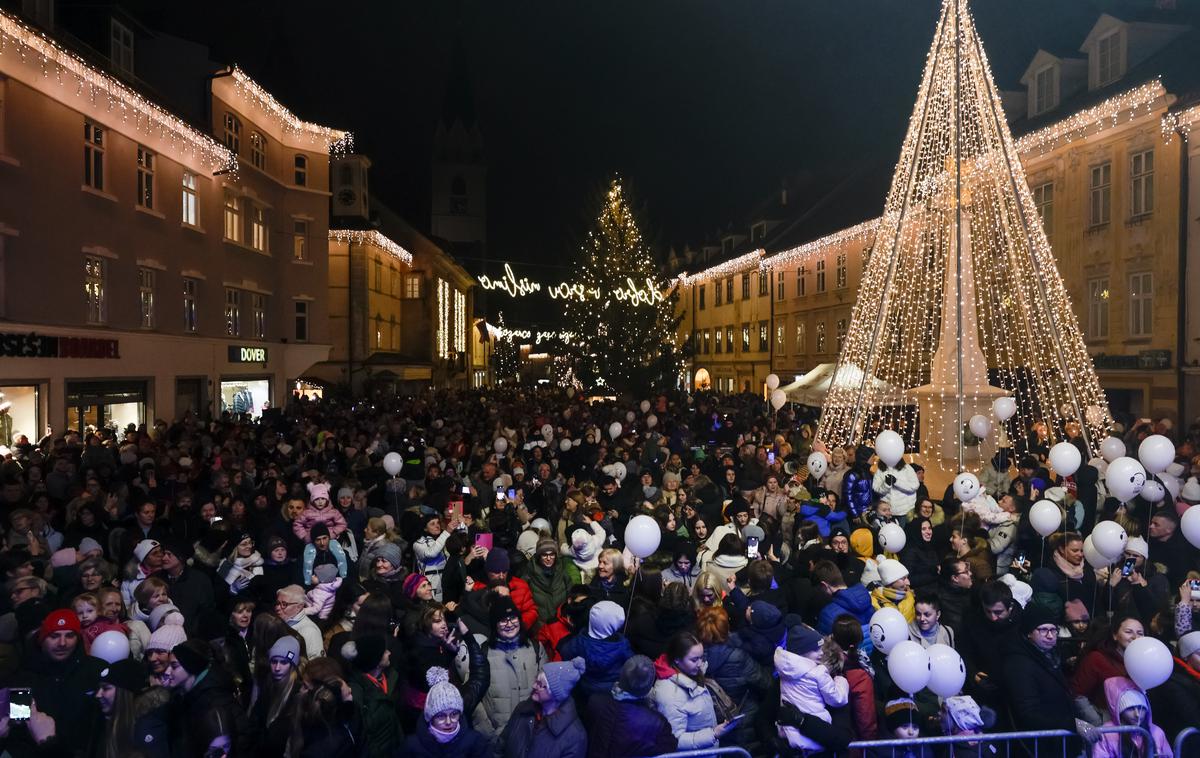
334, 141
373, 238
960, 279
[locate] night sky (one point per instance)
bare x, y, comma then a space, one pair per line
703, 105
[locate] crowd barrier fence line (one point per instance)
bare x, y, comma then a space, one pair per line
1182, 737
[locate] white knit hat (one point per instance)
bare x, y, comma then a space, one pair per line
891, 570
1138, 546
1189, 644
443, 696
1191, 491
166, 637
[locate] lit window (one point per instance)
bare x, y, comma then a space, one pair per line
840, 271
1098, 297
801, 338
1141, 304
707, 342
1100, 194
302, 321
259, 304
189, 305
145, 177
1142, 172
93, 155
1043, 200
301, 164
764, 343
233, 217
146, 297
820, 336
412, 286
801, 281
233, 133
720, 340
300, 239
820, 275
764, 284
120, 49
191, 200
233, 312
745, 338
729, 339
841, 333
780, 339
258, 150
258, 228
95, 271
378, 332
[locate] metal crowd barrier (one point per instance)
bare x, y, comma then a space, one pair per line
1182, 737
733, 751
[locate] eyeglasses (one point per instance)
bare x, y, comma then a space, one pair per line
1048, 631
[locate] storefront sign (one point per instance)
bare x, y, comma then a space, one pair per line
238, 354
34, 345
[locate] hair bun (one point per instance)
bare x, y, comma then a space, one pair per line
437, 675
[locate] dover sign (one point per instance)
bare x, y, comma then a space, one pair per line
242, 354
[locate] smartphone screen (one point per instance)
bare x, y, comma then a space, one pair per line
1127, 566
771, 457
20, 700
466, 489
512, 493
752, 547
484, 539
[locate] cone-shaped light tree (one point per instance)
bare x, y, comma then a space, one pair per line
961, 301
625, 322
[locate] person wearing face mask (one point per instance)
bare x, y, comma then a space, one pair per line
135, 715
445, 732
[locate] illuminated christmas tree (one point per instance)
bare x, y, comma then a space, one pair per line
625, 323
504, 354
961, 301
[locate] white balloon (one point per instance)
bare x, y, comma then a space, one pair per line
1189, 524
642, 536
981, 426
908, 663
110, 646
630, 416
1109, 537
1148, 662
889, 446
1093, 556
1153, 492
1004, 408
645, 406
547, 431
772, 381
1065, 459
966, 487
500, 445
392, 463
1173, 485
1045, 517
888, 629
817, 465
651, 421
614, 429
778, 399
947, 672
1125, 478
619, 471
892, 538
1111, 448
1156, 453
564, 445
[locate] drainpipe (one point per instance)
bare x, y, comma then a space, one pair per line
1181, 331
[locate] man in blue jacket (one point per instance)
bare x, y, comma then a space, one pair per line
851, 601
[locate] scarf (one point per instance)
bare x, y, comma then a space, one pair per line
1070, 571
894, 595
506, 645
444, 737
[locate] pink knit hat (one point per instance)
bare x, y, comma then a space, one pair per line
318, 491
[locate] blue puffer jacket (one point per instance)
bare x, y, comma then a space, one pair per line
854, 601
604, 661
856, 491
734, 669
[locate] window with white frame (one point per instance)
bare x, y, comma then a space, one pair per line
301, 172
745, 338
258, 305
233, 217
300, 239
1141, 304
1043, 200
412, 286
820, 336
258, 228
120, 49
801, 278
1044, 95
720, 340
301, 320
145, 178
820, 275
1098, 296
801, 338
1108, 58
95, 275
258, 150
1141, 171
1100, 194
233, 312
191, 200
729, 339
233, 133
190, 323
780, 339
841, 333
764, 284
764, 337
93, 155
146, 297
840, 274
779, 286
707, 342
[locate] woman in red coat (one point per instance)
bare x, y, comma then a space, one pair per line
1103, 659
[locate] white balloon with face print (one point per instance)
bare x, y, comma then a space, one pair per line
1093, 556
1153, 491
966, 487
817, 465
888, 629
547, 432
1109, 537
1125, 478
892, 538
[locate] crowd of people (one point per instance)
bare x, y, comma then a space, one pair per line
447, 575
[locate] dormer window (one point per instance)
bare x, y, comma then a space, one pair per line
727, 245
1108, 58
1045, 91
121, 47
758, 231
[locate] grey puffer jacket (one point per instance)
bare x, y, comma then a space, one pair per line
512, 675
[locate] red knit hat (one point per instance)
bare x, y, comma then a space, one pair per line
63, 620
